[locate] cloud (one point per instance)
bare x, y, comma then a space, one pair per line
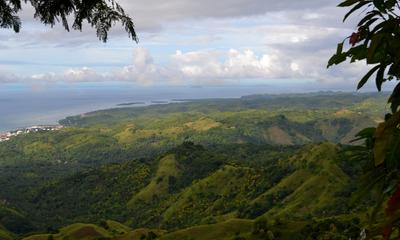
222, 42
82, 74
233, 65
9, 77
212, 67
73, 75
277, 64
154, 16
202, 67
143, 70
151, 15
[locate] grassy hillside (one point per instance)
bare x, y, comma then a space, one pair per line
90, 195
5, 234
239, 229
191, 185
299, 107
280, 119
160, 184
77, 231
313, 187
13, 222
260, 167
118, 135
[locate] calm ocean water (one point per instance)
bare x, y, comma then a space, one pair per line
22, 107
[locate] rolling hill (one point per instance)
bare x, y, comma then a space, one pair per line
190, 188
259, 167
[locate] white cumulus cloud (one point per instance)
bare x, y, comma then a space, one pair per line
143, 70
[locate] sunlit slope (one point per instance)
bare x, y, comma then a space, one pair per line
91, 195
206, 193
107, 230
310, 105
159, 186
307, 184
191, 185
190, 168
12, 222
224, 231
5, 234
121, 134
314, 187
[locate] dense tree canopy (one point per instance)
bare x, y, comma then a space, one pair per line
377, 42
100, 14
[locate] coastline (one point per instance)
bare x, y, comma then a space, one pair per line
56, 124
37, 128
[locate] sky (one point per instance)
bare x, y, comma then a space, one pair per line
188, 43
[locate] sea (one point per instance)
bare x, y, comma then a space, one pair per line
22, 106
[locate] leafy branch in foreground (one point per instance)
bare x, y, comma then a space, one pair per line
100, 14
377, 42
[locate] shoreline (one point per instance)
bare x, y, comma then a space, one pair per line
6, 136
115, 105
53, 117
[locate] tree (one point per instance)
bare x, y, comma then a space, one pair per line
377, 42
100, 14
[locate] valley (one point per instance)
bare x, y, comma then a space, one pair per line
257, 167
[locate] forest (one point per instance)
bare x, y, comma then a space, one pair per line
257, 167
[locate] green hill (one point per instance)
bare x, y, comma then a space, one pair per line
5, 234
90, 195
191, 185
78, 231
160, 185
259, 167
105, 230
313, 187
13, 221
119, 135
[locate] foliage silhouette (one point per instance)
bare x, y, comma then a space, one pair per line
377, 42
100, 14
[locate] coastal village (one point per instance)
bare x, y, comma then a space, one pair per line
8, 135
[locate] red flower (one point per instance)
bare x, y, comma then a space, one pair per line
354, 38
387, 232
393, 204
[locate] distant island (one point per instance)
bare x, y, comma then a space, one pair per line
151, 102
130, 103
159, 102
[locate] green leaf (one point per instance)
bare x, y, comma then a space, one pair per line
394, 99
367, 18
355, 8
380, 77
392, 159
348, 3
394, 70
336, 59
366, 133
390, 4
367, 76
378, 27
367, 23
380, 5
370, 180
384, 135
378, 206
376, 40
339, 49
358, 53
